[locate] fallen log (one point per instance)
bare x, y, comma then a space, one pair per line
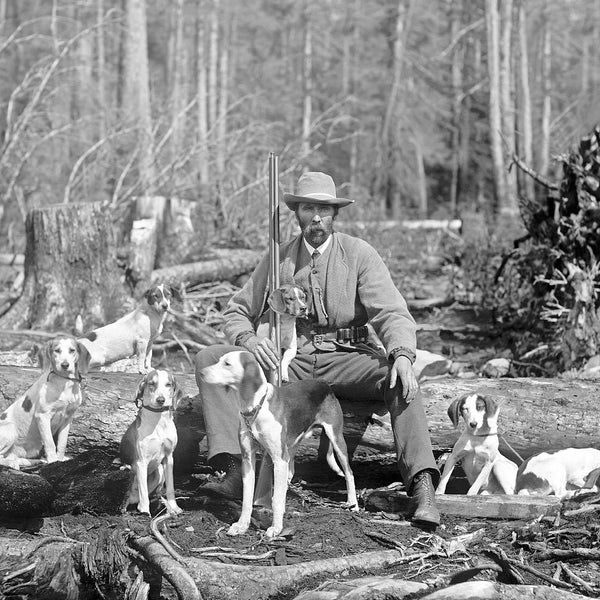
496, 506
489, 590
225, 266
537, 414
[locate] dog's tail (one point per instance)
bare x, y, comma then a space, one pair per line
330, 457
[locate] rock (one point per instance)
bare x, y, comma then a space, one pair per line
496, 367
24, 494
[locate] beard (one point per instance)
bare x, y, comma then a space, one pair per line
317, 233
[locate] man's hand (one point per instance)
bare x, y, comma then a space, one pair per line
264, 351
403, 369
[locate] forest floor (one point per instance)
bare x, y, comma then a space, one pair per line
316, 527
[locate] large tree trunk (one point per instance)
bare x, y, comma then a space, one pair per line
493, 43
70, 270
537, 414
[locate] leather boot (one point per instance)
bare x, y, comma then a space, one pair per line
423, 498
230, 486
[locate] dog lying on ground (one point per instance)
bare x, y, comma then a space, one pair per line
149, 442
41, 418
290, 302
487, 471
562, 473
279, 419
132, 334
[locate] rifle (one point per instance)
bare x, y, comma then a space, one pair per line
274, 318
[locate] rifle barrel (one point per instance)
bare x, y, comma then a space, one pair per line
274, 319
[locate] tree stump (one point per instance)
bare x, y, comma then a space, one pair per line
70, 269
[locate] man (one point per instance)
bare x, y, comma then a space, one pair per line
348, 286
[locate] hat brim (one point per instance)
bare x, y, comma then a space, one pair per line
292, 201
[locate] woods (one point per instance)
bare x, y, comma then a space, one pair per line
134, 137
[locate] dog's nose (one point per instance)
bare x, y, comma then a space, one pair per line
473, 424
160, 400
64, 365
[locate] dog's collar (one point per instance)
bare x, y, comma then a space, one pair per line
485, 434
250, 415
156, 410
79, 379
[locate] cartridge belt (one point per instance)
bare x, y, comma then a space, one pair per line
344, 335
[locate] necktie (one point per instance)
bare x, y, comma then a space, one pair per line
315, 255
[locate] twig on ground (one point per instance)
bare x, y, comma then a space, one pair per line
19, 572
576, 579
154, 523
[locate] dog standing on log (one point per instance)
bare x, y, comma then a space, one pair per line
290, 302
149, 442
41, 418
279, 419
562, 473
487, 471
132, 334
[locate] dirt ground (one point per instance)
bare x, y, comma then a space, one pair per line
317, 527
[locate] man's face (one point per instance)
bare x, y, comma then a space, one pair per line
316, 222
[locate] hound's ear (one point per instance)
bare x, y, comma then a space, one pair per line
177, 392
454, 410
141, 388
491, 406
46, 356
84, 358
175, 292
276, 301
253, 376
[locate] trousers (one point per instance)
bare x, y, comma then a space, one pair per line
353, 375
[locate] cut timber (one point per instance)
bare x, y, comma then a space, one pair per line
142, 251
537, 414
493, 506
109, 408
226, 265
70, 269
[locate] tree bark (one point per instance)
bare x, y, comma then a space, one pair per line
227, 265
136, 97
307, 83
537, 414
493, 43
525, 113
70, 269
546, 77
201, 92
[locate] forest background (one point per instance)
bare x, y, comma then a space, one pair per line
417, 109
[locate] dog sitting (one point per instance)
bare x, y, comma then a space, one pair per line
149, 442
487, 471
41, 418
562, 473
132, 334
279, 419
290, 302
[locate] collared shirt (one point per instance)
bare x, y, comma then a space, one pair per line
321, 249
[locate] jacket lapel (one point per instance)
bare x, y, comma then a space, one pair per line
337, 275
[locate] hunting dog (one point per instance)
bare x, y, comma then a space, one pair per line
279, 418
149, 442
290, 302
487, 471
132, 334
41, 418
562, 473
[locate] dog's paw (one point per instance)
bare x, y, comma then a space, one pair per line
273, 532
238, 528
173, 508
351, 506
143, 508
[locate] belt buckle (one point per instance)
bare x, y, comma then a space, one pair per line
318, 338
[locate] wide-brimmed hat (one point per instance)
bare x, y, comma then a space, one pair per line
316, 188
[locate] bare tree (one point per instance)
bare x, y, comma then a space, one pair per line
136, 95
544, 146
307, 82
495, 116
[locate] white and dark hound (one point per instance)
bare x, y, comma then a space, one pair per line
279, 419
149, 442
133, 334
487, 471
562, 473
41, 418
290, 303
